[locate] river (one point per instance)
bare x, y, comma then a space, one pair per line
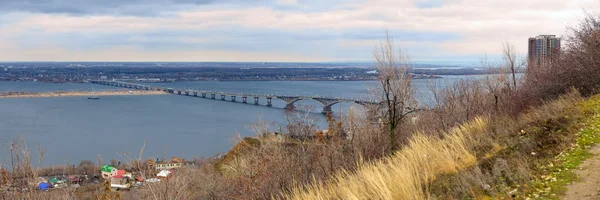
70, 129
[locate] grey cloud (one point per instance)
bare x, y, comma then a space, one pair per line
108, 7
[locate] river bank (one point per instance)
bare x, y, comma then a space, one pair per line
77, 93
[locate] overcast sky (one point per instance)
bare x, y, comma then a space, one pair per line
274, 30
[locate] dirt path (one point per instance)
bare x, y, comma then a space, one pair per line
588, 187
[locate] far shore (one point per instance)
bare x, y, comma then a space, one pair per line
77, 93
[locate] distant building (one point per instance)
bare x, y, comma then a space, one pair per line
174, 163
543, 47
167, 165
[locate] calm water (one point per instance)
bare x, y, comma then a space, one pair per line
71, 129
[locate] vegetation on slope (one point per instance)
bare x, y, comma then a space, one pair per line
481, 158
558, 173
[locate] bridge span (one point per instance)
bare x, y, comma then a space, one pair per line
326, 102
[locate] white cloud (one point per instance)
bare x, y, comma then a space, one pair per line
133, 53
481, 25
288, 2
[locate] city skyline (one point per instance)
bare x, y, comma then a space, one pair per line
273, 31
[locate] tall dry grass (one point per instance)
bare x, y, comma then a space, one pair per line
488, 156
406, 174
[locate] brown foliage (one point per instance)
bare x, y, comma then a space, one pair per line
576, 66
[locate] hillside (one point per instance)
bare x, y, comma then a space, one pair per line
479, 159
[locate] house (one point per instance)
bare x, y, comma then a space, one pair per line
173, 164
167, 165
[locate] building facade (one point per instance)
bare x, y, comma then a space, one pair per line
543, 47
167, 165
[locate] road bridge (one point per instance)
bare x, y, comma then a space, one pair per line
326, 102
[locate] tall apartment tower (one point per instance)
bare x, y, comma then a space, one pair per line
543, 47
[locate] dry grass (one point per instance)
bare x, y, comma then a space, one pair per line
483, 157
406, 174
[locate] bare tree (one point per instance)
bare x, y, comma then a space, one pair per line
512, 61
397, 94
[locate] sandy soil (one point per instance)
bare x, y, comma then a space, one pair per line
79, 93
589, 185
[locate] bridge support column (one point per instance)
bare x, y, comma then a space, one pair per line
223, 97
212, 96
195, 94
326, 109
244, 99
232, 98
255, 100
187, 93
269, 101
203, 95
179, 92
147, 88
290, 106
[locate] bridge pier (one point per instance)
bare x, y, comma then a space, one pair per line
187, 93
232, 98
195, 94
290, 106
244, 99
212, 96
203, 95
269, 101
255, 100
179, 92
327, 109
222, 97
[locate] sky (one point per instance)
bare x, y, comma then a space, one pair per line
275, 30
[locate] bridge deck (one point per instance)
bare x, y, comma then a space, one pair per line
327, 102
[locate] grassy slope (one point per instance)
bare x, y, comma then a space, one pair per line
480, 159
559, 173
403, 175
